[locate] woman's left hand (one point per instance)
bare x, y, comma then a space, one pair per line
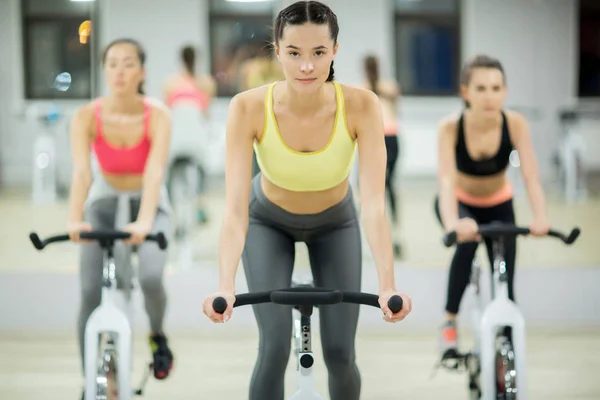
388, 316
539, 227
138, 230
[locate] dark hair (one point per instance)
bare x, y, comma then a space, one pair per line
140, 52
372, 71
479, 61
188, 56
302, 12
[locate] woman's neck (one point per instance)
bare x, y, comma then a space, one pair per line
304, 103
124, 104
483, 122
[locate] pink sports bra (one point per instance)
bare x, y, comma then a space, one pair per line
188, 91
121, 160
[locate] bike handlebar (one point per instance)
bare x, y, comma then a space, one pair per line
496, 230
39, 244
307, 296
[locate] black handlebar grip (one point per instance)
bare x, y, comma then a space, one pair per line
395, 304
573, 236
160, 239
35, 239
449, 239
219, 305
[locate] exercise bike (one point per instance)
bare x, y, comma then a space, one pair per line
183, 185
496, 364
108, 332
304, 298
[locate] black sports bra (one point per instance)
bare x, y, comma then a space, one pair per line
488, 166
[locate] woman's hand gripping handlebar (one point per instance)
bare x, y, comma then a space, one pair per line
219, 307
497, 230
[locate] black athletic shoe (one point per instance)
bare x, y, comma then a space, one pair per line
162, 355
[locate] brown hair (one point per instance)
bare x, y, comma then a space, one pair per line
372, 71
188, 56
302, 12
140, 52
479, 61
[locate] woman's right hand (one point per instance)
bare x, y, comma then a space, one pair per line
75, 227
209, 311
466, 230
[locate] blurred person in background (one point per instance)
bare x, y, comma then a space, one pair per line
473, 152
189, 95
388, 92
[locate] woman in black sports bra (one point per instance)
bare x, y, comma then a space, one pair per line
473, 153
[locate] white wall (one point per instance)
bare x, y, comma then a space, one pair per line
536, 41
537, 48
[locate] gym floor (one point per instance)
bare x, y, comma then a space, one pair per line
44, 364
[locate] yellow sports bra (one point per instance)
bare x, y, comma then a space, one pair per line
305, 171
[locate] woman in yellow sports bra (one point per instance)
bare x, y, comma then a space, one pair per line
305, 131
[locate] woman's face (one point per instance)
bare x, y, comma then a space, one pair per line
485, 91
123, 69
306, 52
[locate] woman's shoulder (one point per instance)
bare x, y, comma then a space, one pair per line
86, 112
252, 99
448, 126
357, 98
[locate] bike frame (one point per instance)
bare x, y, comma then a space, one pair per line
108, 319
304, 299
305, 358
302, 335
500, 312
183, 184
108, 329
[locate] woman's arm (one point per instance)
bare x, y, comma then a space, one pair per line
373, 156
447, 175
238, 177
81, 135
154, 170
521, 139
389, 90
208, 85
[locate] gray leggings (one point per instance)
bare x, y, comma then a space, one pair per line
334, 244
101, 215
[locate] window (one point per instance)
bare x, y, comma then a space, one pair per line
239, 31
428, 46
589, 48
57, 51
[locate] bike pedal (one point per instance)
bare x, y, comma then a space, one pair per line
451, 354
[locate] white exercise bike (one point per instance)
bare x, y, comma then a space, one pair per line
570, 160
496, 364
108, 332
183, 185
303, 298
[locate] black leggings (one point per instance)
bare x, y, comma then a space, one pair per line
460, 268
334, 246
391, 145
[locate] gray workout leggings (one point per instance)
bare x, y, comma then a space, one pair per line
101, 215
334, 244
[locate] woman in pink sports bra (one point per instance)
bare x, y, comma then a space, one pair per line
189, 95
188, 87
388, 92
129, 137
